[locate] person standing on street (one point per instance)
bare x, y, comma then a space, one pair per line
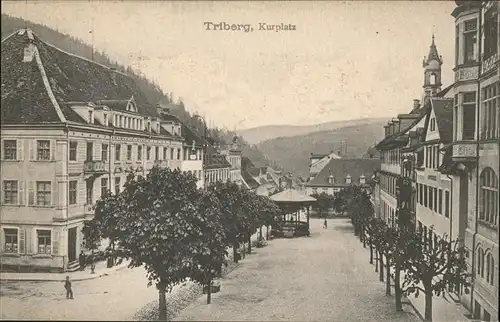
325, 224
69, 291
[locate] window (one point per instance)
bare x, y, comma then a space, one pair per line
43, 193
90, 192
488, 199
73, 148
104, 152
148, 153
10, 190
488, 263
118, 151
129, 152
43, 150
491, 31
457, 43
433, 124
435, 199
10, 238
91, 117
44, 241
117, 185
431, 199
10, 149
172, 153
104, 186
440, 202
165, 152
157, 153
90, 151
469, 116
447, 204
470, 41
72, 192
455, 117
178, 154
139, 152
490, 106
425, 195
105, 120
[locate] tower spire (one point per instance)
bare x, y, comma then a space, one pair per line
432, 70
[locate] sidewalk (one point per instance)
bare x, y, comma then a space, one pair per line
100, 271
444, 309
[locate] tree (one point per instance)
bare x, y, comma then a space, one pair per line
211, 247
91, 239
431, 268
323, 203
155, 226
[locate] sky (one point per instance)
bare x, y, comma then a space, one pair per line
344, 60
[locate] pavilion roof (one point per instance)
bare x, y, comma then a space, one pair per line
291, 196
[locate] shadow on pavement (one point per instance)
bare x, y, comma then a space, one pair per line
345, 228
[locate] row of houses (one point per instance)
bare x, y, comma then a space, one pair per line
445, 150
71, 130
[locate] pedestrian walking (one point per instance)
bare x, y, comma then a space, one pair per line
69, 291
81, 260
325, 224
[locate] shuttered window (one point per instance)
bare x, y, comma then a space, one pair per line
44, 241
73, 148
43, 150
11, 240
10, 190
10, 149
43, 193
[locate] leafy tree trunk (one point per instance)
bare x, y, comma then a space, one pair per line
376, 261
209, 292
267, 232
363, 234
249, 243
397, 287
381, 261
162, 302
260, 232
428, 301
235, 252
387, 276
371, 254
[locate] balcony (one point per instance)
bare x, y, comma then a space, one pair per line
464, 151
490, 63
95, 167
161, 163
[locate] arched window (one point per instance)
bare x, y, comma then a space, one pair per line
488, 267
492, 270
432, 79
488, 210
479, 260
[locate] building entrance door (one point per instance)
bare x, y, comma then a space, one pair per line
72, 244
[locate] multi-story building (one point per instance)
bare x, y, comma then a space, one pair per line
216, 166
318, 161
71, 130
233, 155
474, 158
452, 153
340, 173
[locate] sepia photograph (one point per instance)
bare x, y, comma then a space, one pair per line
250, 160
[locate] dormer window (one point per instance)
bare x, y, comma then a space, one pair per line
91, 117
331, 180
348, 179
105, 120
148, 127
362, 179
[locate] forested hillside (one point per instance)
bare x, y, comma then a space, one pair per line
153, 92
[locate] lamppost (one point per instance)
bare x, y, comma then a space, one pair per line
204, 149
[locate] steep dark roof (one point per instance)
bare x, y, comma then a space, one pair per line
433, 53
246, 163
443, 109
216, 161
340, 168
190, 136
254, 171
251, 182
26, 98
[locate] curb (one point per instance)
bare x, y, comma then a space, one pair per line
62, 278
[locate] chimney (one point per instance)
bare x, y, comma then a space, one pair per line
416, 104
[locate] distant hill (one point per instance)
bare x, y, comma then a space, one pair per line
293, 152
262, 133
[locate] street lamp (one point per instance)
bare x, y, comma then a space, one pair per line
204, 148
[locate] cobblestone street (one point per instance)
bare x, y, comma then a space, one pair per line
325, 277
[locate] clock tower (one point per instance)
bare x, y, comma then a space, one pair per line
432, 71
